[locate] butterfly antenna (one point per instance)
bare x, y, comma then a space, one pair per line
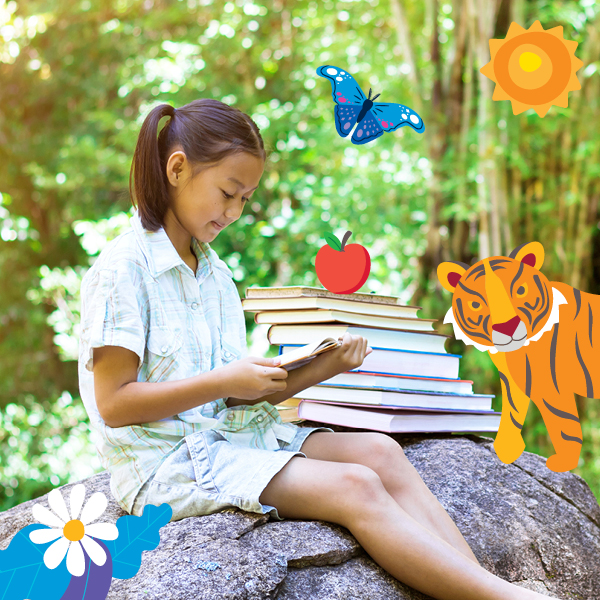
369, 93
373, 99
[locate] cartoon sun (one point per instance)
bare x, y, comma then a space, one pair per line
533, 68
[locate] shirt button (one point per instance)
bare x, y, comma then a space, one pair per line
231, 416
259, 418
227, 354
164, 348
194, 305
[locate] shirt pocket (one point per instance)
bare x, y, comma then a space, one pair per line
230, 347
163, 353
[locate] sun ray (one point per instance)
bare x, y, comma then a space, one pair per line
542, 109
562, 100
518, 107
500, 94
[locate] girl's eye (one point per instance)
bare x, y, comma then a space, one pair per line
229, 196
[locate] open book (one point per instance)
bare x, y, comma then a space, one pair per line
302, 356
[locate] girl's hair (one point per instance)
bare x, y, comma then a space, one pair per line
207, 130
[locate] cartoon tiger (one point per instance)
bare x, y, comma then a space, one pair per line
540, 334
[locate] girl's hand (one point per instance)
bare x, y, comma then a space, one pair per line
254, 377
349, 355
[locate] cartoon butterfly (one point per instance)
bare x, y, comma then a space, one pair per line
371, 118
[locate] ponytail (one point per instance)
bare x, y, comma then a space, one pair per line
206, 130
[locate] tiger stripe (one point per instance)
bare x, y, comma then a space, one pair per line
527, 314
571, 438
591, 320
527, 377
464, 287
507, 384
516, 277
516, 423
545, 308
533, 306
586, 373
560, 413
553, 356
577, 294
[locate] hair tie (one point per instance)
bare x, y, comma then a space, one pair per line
174, 111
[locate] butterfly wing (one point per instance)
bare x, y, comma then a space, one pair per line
345, 118
367, 130
392, 116
347, 95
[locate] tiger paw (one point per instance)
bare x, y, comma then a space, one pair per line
508, 449
559, 463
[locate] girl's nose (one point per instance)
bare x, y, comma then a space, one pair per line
234, 212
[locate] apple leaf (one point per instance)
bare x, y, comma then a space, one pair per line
332, 241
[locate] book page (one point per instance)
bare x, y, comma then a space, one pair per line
301, 356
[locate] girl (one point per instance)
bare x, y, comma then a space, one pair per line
183, 416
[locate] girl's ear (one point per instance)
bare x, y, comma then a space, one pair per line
531, 254
449, 274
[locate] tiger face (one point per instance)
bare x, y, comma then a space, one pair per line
501, 303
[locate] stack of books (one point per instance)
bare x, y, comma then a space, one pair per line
408, 383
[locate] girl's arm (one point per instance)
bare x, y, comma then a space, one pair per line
122, 400
349, 355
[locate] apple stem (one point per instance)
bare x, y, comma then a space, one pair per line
345, 239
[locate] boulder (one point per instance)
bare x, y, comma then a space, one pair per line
528, 525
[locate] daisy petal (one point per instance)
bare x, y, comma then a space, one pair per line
94, 550
76, 560
104, 531
43, 536
56, 552
44, 516
76, 500
94, 507
57, 504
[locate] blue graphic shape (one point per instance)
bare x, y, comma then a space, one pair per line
95, 581
135, 535
23, 573
354, 108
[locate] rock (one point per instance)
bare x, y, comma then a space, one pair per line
528, 525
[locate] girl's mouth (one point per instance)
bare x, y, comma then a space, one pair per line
217, 226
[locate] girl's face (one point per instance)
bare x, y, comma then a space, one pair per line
215, 198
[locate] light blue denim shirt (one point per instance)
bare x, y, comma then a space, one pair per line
140, 295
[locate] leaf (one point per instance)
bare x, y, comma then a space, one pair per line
333, 241
135, 535
23, 573
95, 581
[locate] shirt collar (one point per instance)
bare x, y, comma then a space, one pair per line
162, 256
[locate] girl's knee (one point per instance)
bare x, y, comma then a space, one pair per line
362, 484
384, 445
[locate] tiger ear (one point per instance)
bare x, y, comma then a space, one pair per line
531, 254
449, 274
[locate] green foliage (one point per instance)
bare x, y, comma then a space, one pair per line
43, 445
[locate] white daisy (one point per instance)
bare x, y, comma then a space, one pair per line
73, 532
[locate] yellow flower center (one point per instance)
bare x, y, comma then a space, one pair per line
74, 530
529, 61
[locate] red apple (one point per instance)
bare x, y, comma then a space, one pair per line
342, 269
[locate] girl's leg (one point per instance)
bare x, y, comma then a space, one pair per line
353, 496
385, 456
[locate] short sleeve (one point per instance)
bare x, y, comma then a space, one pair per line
111, 315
